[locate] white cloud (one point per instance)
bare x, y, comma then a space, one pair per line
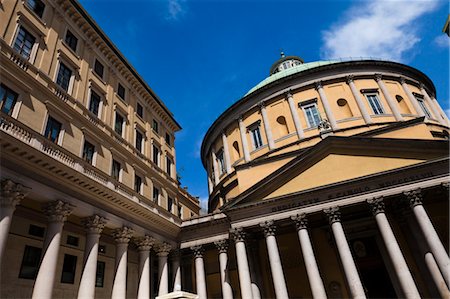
175, 9
381, 29
442, 41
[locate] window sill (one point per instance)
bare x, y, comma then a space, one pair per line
34, 14
98, 77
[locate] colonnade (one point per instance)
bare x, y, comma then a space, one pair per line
57, 212
436, 112
437, 259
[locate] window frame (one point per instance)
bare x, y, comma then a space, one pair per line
256, 139
100, 274
169, 164
115, 162
72, 271
28, 263
140, 149
97, 64
32, 50
100, 103
155, 126
158, 154
170, 203
70, 82
156, 195
313, 122
380, 109
59, 138
140, 189
69, 43
4, 97
221, 161
94, 153
424, 107
121, 87
140, 108
122, 130
33, 9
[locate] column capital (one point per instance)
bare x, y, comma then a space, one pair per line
318, 85
376, 205
198, 251
57, 211
349, 79
445, 185
289, 94
421, 86
261, 105
269, 228
402, 80
94, 224
238, 234
301, 222
222, 245
175, 253
378, 77
163, 249
12, 193
122, 235
333, 214
414, 197
145, 243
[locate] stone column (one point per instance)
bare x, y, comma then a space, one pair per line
362, 107
254, 267
433, 105
245, 281
326, 106
199, 271
351, 274
243, 131
10, 195
222, 247
398, 261
144, 245
297, 123
226, 153
215, 168
122, 237
315, 280
440, 254
57, 212
274, 259
443, 119
392, 104
94, 226
411, 97
176, 269
267, 128
162, 251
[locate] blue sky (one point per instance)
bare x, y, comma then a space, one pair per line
200, 56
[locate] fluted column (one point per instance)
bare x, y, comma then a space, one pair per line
444, 118
199, 271
433, 105
10, 195
94, 226
144, 245
122, 237
162, 251
297, 123
274, 259
392, 104
222, 247
215, 168
312, 270
362, 107
351, 274
267, 128
226, 153
398, 261
242, 131
176, 269
245, 281
440, 254
411, 97
57, 212
326, 106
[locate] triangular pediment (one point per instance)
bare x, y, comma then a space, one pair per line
336, 160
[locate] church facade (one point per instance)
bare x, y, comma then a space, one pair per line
327, 179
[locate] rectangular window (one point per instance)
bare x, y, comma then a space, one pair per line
139, 110
256, 137
118, 124
139, 139
69, 268
64, 75
155, 194
100, 275
24, 43
424, 107
180, 211
155, 155
37, 6
30, 262
98, 68
52, 129
374, 103
36, 231
8, 99
169, 166
168, 138
115, 172
88, 152
220, 162
72, 240
137, 184
94, 103
155, 126
169, 204
312, 115
121, 91
71, 41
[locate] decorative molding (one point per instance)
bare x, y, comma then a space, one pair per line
414, 197
94, 224
122, 235
163, 249
269, 228
402, 80
445, 186
333, 214
301, 222
238, 234
378, 77
349, 79
198, 251
57, 211
376, 205
12, 193
318, 85
289, 94
145, 243
222, 245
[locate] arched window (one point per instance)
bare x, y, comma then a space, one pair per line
282, 128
